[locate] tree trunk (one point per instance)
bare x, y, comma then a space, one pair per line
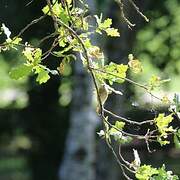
79, 158
79, 155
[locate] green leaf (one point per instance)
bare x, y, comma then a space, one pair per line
43, 75
115, 72
106, 26
112, 32
156, 81
20, 71
144, 172
119, 124
33, 55
58, 11
115, 131
28, 53
162, 123
45, 10
37, 56
164, 175
16, 40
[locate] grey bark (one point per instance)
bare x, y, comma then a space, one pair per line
79, 158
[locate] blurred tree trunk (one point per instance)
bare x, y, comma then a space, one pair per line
79, 155
79, 158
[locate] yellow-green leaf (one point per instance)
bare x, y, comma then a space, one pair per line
43, 75
112, 32
135, 66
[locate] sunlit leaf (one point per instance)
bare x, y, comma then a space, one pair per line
145, 172
33, 55
43, 75
135, 65
16, 40
112, 32
162, 123
164, 175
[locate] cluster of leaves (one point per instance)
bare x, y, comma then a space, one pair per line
33, 57
146, 172
162, 123
72, 35
106, 26
116, 132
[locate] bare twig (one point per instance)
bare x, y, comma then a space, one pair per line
122, 166
47, 37
121, 5
35, 21
47, 53
120, 155
138, 10
52, 15
127, 120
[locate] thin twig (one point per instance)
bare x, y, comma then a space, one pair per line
52, 15
126, 133
88, 61
35, 21
47, 37
138, 10
120, 155
121, 5
127, 120
122, 166
47, 53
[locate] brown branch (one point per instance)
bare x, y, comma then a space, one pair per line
125, 133
122, 166
88, 61
127, 120
52, 15
47, 37
48, 52
121, 6
35, 21
138, 10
